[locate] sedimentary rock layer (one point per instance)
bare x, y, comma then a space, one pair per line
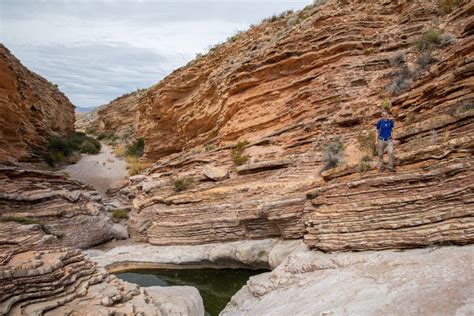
32, 109
62, 281
118, 118
289, 87
68, 210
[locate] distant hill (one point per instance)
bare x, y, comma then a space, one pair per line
85, 110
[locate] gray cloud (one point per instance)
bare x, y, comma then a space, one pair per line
98, 50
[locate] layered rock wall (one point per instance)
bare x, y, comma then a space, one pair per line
32, 110
69, 212
118, 118
290, 86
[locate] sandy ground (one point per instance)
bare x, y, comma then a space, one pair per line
101, 171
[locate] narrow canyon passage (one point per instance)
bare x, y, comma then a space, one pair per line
101, 171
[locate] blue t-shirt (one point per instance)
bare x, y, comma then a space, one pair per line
385, 128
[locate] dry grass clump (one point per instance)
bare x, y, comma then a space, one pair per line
135, 166
120, 150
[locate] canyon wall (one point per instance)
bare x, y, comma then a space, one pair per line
284, 90
117, 120
32, 110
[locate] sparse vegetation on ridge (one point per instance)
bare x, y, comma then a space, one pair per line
25, 221
237, 153
182, 184
333, 152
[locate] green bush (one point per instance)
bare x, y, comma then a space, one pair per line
430, 39
60, 148
137, 148
182, 184
87, 147
120, 214
25, 221
237, 153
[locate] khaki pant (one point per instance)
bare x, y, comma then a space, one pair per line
381, 149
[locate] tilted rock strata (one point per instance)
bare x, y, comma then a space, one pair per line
61, 281
421, 281
119, 117
288, 91
32, 110
70, 210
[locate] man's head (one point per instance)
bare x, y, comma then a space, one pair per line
385, 114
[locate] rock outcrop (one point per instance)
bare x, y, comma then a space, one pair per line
62, 281
369, 283
117, 119
66, 210
32, 110
285, 89
253, 254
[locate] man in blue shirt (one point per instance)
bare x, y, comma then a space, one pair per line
384, 128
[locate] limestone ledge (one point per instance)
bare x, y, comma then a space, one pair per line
254, 254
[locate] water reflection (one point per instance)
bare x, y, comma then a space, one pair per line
216, 286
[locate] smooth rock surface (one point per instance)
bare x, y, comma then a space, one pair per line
177, 300
414, 282
249, 253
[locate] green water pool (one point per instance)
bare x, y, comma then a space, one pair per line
216, 286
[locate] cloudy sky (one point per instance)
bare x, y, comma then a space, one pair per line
97, 50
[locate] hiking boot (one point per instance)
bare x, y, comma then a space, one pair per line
381, 169
391, 169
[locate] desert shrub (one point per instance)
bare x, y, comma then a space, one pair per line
120, 150
333, 152
429, 40
386, 105
182, 184
25, 221
424, 60
136, 149
367, 143
398, 59
88, 147
237, 153
119, 214
446, 40
54, 158
210, 147
447, 6
91, 131
107, 136
65, 148
365, 164
401, 81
